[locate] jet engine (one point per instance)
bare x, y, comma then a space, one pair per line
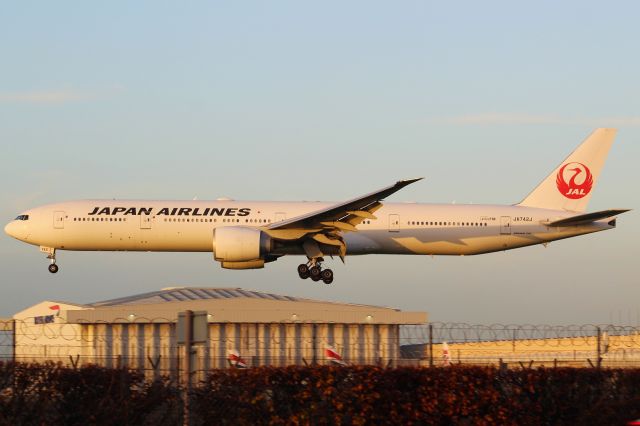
237, 247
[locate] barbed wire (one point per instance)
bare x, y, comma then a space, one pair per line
528, 334
83, 331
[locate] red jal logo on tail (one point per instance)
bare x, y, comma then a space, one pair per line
572, 189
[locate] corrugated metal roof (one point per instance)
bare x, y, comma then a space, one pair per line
180, 294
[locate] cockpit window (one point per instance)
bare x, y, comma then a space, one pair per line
23, 217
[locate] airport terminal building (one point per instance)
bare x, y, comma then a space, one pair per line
140, 331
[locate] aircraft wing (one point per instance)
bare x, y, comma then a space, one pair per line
325, 226
584, 219
340, 215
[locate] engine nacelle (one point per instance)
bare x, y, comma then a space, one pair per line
251, 264
235, 245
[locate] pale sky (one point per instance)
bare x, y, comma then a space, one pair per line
325, 101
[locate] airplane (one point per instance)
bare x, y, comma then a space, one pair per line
249, 234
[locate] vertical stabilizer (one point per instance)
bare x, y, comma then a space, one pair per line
570, 186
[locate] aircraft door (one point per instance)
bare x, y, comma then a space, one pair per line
145, 221
280, 216
505, 225
394, 223
58, 220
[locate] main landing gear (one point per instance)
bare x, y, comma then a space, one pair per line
313, 270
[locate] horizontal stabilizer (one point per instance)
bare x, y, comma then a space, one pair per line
584, 219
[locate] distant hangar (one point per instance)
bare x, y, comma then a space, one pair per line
139, 331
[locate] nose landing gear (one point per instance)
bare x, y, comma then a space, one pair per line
313, 270
53, 268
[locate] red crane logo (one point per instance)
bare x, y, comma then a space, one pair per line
573, 189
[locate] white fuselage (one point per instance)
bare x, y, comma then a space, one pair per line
187, 226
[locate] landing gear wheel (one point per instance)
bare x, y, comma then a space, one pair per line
327, 276
303, 271
315, 272
53, 268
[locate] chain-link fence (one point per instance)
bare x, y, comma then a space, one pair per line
151, 345
533, 345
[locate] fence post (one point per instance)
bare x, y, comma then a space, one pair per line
188, 336
13, 341
598, 349
430, 345
314, 338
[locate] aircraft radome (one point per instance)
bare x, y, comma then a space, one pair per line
248, 234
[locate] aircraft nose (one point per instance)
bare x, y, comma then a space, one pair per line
10, 229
